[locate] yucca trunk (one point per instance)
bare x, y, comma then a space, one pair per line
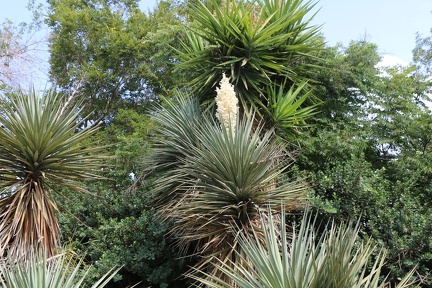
29, 220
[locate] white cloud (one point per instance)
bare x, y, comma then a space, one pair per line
391, 60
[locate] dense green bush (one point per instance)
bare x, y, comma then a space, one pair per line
120, 228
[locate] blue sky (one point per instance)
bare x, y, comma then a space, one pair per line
391, 24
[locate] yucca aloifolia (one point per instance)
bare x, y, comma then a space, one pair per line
41, 147
216, 182
265, 48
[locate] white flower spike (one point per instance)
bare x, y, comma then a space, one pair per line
227, 103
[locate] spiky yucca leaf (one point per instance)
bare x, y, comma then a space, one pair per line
337, 259
284, 108
39, 147
179, 120
55, 272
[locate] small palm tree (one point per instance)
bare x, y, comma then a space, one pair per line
302, 260
41, 146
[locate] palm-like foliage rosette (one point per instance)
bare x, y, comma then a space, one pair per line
302, 260
254, 44
59, 271
218, 180
40, 147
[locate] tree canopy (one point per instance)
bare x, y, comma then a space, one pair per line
111, 53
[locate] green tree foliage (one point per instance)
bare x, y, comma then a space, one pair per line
422, 55
404, 153
120, 228
111, 53
368, 155
347, 75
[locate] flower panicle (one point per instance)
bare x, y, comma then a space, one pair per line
227, 104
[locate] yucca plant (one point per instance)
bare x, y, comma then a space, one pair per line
41, 147
337, 259
256, 43
38, 271
218, 179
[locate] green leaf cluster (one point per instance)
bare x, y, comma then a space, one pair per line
121, 228
111, 53
368, 156
264, 47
